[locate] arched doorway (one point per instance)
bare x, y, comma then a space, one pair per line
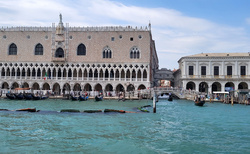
5, 85
141, 87
119, 88
35, 86
130, 87
25, 85
190, 85
98, 87
109, 87
243, 85
216, 86
203, 87
77, 87
46, 86
59, 53
56, 89
87, 87
15, 85
66, 89
229, 86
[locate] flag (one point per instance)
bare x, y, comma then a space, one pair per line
45, 77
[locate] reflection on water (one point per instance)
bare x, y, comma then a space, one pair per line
177, 127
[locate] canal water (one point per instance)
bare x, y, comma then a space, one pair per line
177, 127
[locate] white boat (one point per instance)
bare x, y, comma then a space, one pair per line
163, 96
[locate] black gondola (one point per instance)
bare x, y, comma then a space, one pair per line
35, 97
98, 98
73, 98
83, 98
199, 103
19, 96
27, 96
10, 96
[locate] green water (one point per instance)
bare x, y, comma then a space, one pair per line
177, 127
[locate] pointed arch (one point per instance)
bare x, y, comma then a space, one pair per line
36, 86
81, 50
87, 87
77, 87
46, 86
39, 72
39, 49
106, 53
98, 87
5, 85
13, 72
3, 72
59, 53
13, 49
69, 73
135, 53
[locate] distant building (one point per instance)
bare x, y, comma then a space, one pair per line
164, 78
62, 58
208, 72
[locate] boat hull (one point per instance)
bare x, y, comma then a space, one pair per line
200, 103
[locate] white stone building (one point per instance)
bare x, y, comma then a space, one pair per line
62, 58
208, 72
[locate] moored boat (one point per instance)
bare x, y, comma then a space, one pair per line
83, 98
19, 96
74, 98
27, 96
35, 97
10, 96
98, 98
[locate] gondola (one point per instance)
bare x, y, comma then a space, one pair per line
35, 97
83, 98
10, 96
98, 98
199, 103
27, 96
73, 98
19, 96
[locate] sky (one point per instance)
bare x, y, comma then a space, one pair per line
179, 27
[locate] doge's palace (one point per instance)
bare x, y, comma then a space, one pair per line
61, 58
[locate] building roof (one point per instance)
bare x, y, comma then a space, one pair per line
217, 55
220, 55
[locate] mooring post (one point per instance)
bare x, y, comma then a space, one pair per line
154, 105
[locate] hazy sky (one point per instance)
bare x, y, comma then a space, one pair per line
179, 27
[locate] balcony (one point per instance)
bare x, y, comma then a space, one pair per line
58, 59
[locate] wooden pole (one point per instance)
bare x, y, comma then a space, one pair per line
232, 100
154, 104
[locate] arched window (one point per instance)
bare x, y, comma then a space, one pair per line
107, 53
81, 50
59, 53
39, 49
13, 49
134, 53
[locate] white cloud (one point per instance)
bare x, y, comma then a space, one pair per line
248, 21
176, 34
